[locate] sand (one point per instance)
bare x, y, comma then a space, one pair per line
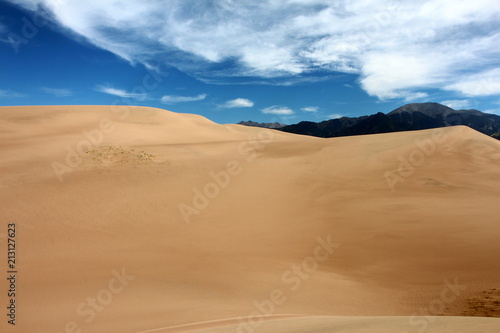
132, 219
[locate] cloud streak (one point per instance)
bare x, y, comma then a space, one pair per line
58, 92
237, 103
172, 99
310, 109
118, 92
277, 110
9, 94
397, 48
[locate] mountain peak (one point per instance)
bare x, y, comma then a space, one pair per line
429, 109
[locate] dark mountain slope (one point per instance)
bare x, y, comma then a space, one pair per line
410, 117
265, 125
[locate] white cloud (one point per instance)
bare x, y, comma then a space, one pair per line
336, 116
397, 47
310, 109
237, 103
395, 75
171, 99
278, 110
485, 83
458, 104
118, 92
58, 92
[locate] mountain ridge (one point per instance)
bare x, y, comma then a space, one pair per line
250, 123
409, 117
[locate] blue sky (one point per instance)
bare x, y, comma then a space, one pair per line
268, 60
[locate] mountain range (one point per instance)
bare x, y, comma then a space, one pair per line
264, 125
415, 116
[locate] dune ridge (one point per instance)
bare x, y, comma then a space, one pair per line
133, 219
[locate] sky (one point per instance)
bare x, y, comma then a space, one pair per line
262, 60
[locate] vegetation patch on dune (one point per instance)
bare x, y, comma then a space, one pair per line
486, 304
106, 156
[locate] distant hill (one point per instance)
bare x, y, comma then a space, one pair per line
265, 125
409, 117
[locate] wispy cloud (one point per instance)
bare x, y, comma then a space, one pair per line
310, 109
493, 111
58, 92
9, 93
458, 104
3, 29
237, 103
397, 48
4, 34
105, 89
277, 110
172, 99
414, 96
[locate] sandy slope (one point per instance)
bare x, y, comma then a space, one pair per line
351, 324
170, 219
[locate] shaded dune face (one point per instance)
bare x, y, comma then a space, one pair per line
135, 219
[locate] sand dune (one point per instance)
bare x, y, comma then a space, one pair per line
134, 219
